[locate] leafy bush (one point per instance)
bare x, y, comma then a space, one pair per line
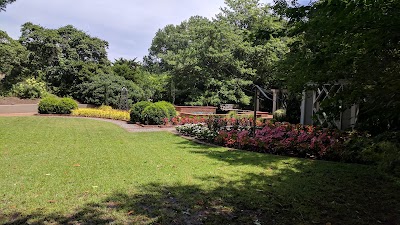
389, 158
154, 114
170, 109
280, 115
102, 112
54, 105
137, 110
49, 105
30, 88
67, 105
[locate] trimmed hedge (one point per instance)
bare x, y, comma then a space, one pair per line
168, 107
53, 105
154, 114
137, 110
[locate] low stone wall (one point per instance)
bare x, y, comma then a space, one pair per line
29, 108
196, 109
192, 115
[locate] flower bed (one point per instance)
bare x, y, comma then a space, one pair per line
275, 138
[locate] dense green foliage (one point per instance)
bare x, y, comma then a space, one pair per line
68, 58
106, 90
153, 85
137, 111
13, 58
54, 105
214, 62
356, 42
30, 88
146, 112
72, 63
169, 108
154, 114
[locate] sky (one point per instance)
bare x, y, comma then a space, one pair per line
128, 25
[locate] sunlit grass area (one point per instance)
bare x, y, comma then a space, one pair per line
70, 170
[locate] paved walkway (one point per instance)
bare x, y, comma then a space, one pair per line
128, 127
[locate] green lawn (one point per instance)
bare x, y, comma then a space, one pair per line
80, 171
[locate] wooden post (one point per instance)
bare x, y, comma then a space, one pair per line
255, 110
274, 100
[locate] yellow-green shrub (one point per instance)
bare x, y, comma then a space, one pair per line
102, 113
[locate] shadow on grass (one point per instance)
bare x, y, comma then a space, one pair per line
288, 192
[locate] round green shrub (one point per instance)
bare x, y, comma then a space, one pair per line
137, 109
280, 115
48, 105
169, 108
66, 105
154, 114
53, 105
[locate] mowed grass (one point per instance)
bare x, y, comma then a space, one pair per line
82, 171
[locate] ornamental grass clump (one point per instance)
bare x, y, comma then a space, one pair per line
105, 112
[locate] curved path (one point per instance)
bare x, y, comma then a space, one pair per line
128, 127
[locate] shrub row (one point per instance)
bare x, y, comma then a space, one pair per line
152, 113
54, 105
102, 112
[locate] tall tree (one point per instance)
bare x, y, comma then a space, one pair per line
64, 57
13, 58
213, 62
264, 31
205, 60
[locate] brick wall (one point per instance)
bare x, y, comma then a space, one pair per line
196, 109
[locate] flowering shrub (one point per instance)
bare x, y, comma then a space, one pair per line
199, 131
30, 88
275, 138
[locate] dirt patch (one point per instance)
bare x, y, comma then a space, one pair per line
17, 101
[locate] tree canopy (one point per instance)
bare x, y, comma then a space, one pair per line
64, 57
214, 61
357, 42
4, 3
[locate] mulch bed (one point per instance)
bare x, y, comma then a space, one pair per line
17, 101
